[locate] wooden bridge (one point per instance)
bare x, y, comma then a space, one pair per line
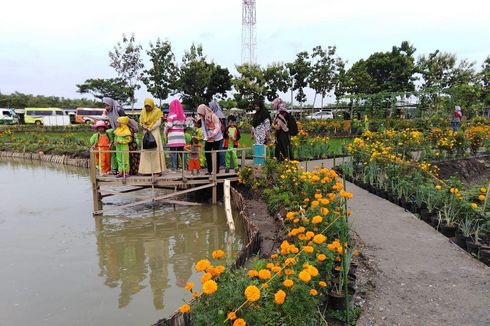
178, 183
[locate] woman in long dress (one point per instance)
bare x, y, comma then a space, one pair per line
174, 130
211, 129
283, 141
261, 124
152, 161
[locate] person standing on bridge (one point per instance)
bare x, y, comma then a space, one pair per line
211, 129
283, 138
152, 161
174, 130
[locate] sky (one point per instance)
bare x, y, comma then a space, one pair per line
49, 46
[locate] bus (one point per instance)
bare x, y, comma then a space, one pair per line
36, 115
89, 115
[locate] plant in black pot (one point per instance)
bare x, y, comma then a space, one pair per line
464, 231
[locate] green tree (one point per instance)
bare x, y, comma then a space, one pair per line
276, 80
485, 81
435, 69
323, 71
200, 80
299, 73
115, 88
249, 85
126, 60
161, 77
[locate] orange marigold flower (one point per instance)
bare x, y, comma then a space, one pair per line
217, 254
218, 270
252, 273
202, 265
288, 283
209, 287
185, 308
265, 285
196, 294
289, 271
289, 261
264, 274
313, 292
322, 284
274, 256
325, 201
304, 276
252, 293
276, 269
332, 196
308, 249
312, 270
290, 215
318, 196
206, 277
314, 203
231, 315
324, 211
239, 322
269, 265
321, 257
316, 219
306, 200
296, 220
189, 286
279, 297
319, 239
301, 229
309, 235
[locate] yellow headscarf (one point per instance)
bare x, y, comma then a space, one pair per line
122, 129
148, 118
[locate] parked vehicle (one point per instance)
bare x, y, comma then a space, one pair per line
8, 117
89, 115
36, 115
321, 115
71, 114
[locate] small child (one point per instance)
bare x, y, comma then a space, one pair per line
194, 148
101, 143
122, 138
231, 138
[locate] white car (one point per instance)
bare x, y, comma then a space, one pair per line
321, 115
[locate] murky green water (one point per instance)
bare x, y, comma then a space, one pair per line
61, 266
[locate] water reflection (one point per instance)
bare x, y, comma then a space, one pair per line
158, 251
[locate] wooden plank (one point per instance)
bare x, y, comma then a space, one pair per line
156, 198
97, 204
109, 193
213, 175
229, 216
181, 202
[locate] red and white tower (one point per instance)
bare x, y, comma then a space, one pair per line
249, 36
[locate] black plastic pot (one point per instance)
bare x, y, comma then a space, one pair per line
460, 239
485, 255
448, 231
472, 248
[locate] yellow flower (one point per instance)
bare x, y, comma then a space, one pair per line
438, 187
322, 284
309, 235
252, 273
288, 271
313, 292
481, 197
274, 256
319, 239
218, 270
308, 249
304, 276
314, 203
316, 219
185, 308
209, 287
189, 286
290, 215
311, 269
252, 293
321, 257
269, 265
324, 211
206, 277
288, 283
217, 254
195, 294
318, 196
279, 297
231, 315
202, 265
264, 274
325, 201
276, 269
483, 190
474, 205
239, 322
289, 261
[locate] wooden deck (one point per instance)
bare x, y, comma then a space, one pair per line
177, 182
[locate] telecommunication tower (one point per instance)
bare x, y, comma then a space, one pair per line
249, 37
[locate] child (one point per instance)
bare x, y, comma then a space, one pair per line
101, 143
194, 148
200, 139
232, 136
122, 138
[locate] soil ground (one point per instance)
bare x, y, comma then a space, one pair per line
470, 170
413, 275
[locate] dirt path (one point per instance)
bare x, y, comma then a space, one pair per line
420, 277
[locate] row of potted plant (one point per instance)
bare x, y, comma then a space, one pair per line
310, 269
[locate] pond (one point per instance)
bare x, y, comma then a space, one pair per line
62, 266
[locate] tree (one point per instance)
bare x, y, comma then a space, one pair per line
249, 85
323, 72
299, 72
276, 79
485, 81
435, 69
161, 77
20, 100
115, 88
126, 60
200, 80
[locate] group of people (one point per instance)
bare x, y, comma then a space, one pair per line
118, 150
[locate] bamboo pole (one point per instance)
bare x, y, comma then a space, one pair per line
229, 216
97, 204
213, 177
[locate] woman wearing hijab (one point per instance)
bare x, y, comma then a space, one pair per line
283, 141
261, 124
174, 130
211, 129
114, 110
152, 161
222, 119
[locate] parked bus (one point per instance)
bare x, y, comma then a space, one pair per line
8, 116
89, 115
36, 115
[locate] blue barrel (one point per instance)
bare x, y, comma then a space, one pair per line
259, 154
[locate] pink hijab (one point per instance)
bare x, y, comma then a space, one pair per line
175, 111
